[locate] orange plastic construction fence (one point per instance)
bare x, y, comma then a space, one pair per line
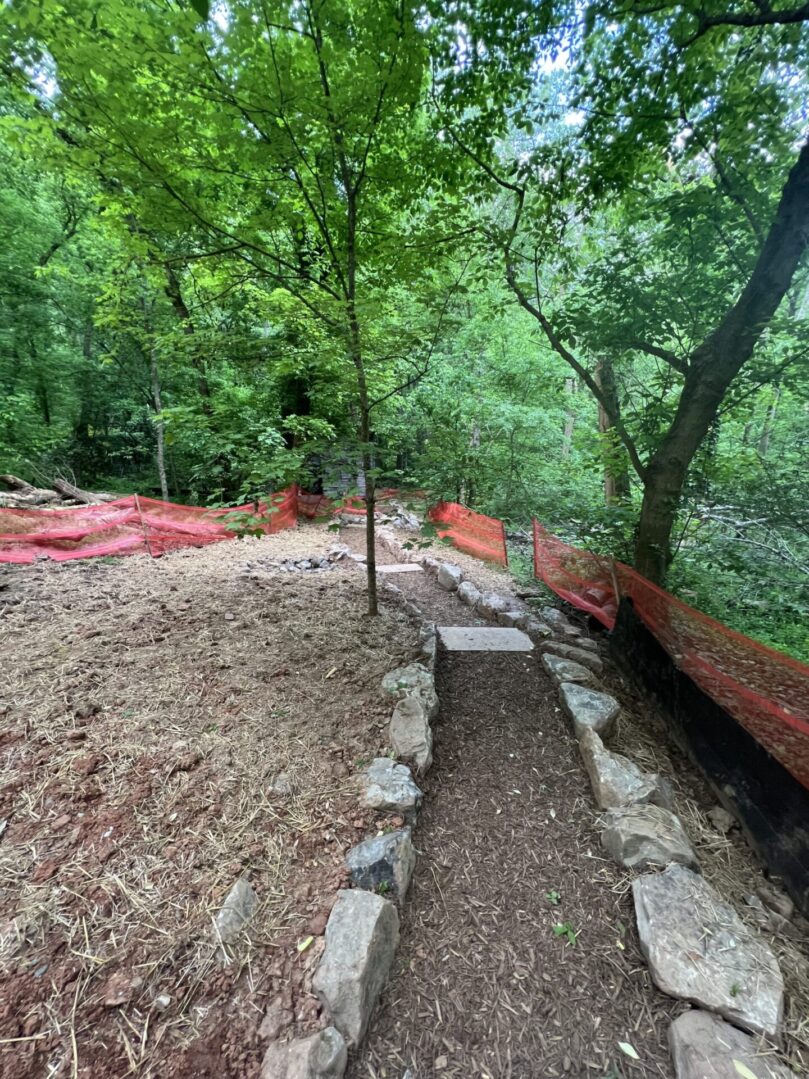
764, 690
312, 506
478, 535
131, 525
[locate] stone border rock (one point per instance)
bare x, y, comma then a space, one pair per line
362, 932
725, 968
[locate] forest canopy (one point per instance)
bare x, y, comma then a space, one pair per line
543, 259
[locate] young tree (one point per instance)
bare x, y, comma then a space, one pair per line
283, 137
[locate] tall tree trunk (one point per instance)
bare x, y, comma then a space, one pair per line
160, 428
570, 421
366, 433
175, 295
769, 421
714, 365
616, 472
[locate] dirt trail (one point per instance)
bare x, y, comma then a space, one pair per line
508, 850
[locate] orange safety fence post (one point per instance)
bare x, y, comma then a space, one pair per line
143, 526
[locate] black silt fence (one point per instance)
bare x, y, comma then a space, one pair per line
770, 804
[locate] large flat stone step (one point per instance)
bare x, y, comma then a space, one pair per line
484, 639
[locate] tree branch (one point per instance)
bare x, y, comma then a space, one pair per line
671, 358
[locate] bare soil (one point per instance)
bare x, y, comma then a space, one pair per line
145, 710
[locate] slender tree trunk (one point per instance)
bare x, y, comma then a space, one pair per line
570, 422
366, 433
616, 472
175, 295
160, 429
769, 421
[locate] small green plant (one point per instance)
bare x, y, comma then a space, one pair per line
383, 887
360, 762
553, 898
565, 929
735, 989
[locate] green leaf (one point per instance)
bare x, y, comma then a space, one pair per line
202, 8
743, 1070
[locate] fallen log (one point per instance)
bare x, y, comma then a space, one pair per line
16, 500
25, 494
89, 498
16, 483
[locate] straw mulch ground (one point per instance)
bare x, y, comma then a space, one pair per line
145, 710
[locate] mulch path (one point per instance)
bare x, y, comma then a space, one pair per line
483, 985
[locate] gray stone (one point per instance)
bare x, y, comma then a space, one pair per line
565, 670
510, 618
320, 1056
403, 681
383, 863
490, 605
389, 787
449, 576
428, 640
587, 708
404, 518
410, 734
703, 1046
361, 938
237, 910
615, 780
777, 901
535, 628
554, 618
641, 836
468, 594
587, 643
387, 539
414, 680
431, 565
579, 655
721, 819
483, 639
282, 785
699, 950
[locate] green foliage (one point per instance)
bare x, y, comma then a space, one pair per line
566, 930
289, 257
